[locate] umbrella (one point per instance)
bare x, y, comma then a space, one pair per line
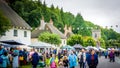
95, 48
102, 49
67, 47
78, 46
12, 42
25, 47
90, 47
7, 45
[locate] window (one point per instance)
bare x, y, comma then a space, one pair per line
64, 42
25, 33
15, 33
95, 35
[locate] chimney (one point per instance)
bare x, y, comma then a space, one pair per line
70, 29
65, 30
51, 21
42, 24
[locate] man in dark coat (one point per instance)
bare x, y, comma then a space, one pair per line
92, 59
35, 59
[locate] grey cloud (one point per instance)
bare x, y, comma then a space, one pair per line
101, 12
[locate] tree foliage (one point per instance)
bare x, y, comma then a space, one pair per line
90, 42
49, 38
75, 39
5, 24
102, 43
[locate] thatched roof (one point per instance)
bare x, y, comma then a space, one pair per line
35, 33
54, 30
15, 19
48, 27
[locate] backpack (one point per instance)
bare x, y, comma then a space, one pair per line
21, 58
1, 60
53, 65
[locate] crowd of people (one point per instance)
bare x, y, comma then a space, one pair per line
17, 57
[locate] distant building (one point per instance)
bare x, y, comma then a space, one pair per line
96, 34
20, 30
44, 26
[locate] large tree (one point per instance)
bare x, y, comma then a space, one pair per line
49, 38
4, 24
75, 39
90, 42
102, 43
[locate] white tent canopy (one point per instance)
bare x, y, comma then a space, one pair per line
102, 49
25, 47
91, 47
41, 45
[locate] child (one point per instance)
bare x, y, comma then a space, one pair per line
65, 62
52, 62
60, 63
41, 63
47, 61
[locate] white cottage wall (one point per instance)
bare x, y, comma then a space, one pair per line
9, 35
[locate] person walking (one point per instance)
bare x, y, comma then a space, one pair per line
82, 58
53, 64
72, 60
65, 62
2, 50
92, 59
35, 59
112, 55
5, 62
106, 54
15, 62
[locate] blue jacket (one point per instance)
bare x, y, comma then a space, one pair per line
5, 61
89, 60
72, 60
106, 53
2, 51
35, 58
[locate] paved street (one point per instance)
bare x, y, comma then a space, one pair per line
104, 63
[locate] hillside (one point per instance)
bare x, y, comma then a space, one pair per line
32, 12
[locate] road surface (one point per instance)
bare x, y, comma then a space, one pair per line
104, 63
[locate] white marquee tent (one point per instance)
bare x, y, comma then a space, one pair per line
41, 45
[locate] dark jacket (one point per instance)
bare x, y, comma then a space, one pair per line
89, 60
65, 63
35, 58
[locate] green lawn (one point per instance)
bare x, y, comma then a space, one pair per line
27, 66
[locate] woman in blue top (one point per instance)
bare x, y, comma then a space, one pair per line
72, 60
5, 60
106, 54
15, 62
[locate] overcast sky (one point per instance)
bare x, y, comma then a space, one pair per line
101, 12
